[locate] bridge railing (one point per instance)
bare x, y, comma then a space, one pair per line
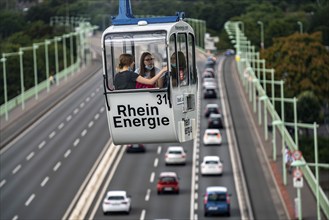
254, 77
72, 61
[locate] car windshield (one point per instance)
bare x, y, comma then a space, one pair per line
115, 198
212, 133
168, 179
175, 152
217, 197
211, 162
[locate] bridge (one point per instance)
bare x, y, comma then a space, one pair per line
57, 159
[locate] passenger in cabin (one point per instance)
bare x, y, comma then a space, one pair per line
182, 68
126, 78
148, 70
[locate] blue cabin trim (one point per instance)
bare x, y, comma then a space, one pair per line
125, 16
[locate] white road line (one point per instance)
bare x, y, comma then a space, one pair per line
152, 177
159, 150
30, 199
84, 132
142, 217
102, 109
60, 126
87, 99
196, 195
42, 144
96, 116
44, 181
15, 217
82, 105
2, 183
52, 134
76, 142
90, 124
69, 118
195, 206
29, 157
156, 161
147, 196
93, 94
196, 186
17, 169
76, 111
56, 167
67, 153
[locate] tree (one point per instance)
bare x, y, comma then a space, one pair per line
308, 107
302, 62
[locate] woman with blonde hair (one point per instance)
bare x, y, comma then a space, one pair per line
126, 78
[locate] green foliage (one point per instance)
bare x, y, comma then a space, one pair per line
302, 62
307, 148
308, 107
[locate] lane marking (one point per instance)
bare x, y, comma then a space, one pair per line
3, 182
44, 181
57, 166
156, 161
96, 116
84, 132
52, 134
29, 157
152, 177
67, 153
90, 124
142, 217
159, 150
60, 126
42, 144
76, 142
68, 118
82, 105
88, 99
30, 199
17, 169
15, 217
148, 193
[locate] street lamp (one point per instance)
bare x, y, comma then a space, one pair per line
300, 24
261, 33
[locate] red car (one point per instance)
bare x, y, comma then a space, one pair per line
168, 183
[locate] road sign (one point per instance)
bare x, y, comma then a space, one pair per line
298, 182
297, 155
298, 173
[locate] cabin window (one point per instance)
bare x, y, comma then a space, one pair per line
135, 43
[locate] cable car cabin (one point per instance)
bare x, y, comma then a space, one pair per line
167, 112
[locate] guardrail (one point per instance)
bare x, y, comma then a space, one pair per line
253, 74
75, 56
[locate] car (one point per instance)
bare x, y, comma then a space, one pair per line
210, 92
217, 201
215, 121
212, 137
207, 74
210, 109
211, 165
131, 148
229, 52
209, 82
175, 155
168, 183
211, 61
116, 201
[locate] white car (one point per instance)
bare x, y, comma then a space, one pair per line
209, 82
212, 137
175, 155
211, 165
116, 201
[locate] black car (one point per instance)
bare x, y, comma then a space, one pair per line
132, 148
210, 92
215, 121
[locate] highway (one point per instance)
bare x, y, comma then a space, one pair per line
44, 169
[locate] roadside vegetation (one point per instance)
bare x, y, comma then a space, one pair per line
300, 59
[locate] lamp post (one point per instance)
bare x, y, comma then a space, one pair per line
300, 24
261, 24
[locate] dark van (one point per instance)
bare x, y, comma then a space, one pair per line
217, 201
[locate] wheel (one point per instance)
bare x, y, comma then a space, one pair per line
205, 214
